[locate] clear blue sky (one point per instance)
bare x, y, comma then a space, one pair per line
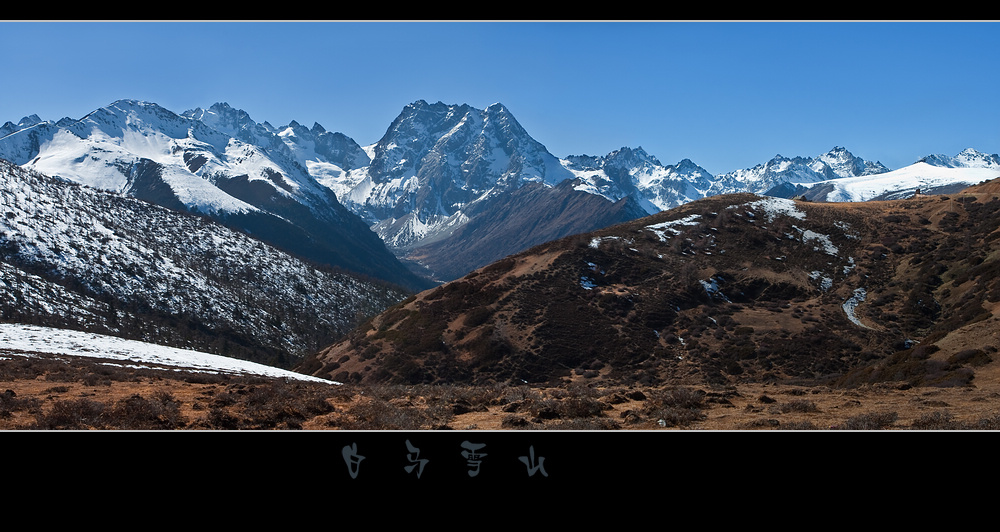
726, 95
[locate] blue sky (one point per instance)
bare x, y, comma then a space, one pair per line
727, 95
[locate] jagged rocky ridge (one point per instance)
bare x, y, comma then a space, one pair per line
437, 169
216, 162
81, 258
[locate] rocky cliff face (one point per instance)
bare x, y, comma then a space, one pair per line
435, 160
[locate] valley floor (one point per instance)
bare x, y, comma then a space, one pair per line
45, 392
779, 407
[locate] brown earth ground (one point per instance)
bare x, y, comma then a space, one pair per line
42, 393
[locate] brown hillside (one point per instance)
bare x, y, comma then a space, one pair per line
726, 290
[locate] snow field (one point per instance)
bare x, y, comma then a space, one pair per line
29, 338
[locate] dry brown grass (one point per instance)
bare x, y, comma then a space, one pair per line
41, 393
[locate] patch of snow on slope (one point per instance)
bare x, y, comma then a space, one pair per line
824, 240
825, 283
201, 195
712, 288
772, 207
335, 177
662, 228
595, 242
65, 155
852, 303
29, 338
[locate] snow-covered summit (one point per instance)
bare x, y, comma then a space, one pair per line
634, 172
107, 148
967, 158
216, 162
920, 176
845, 164
434, 160
10, 127
775, 175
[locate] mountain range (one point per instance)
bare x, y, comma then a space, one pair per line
217, 163
208, 230
447, 189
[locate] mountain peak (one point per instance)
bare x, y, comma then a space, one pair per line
221, 107
24, 123
967, 158
687, 165
497, 108
125, 105
627, 156
29, 121
228, 120
838, 153
128, 102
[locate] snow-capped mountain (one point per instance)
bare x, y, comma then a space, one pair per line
837, 175
441, 168
217, 162
922, 176
11, 127
436, 159
844, 164
774, 176
78, 257
633, 172
967, 158
326, 156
